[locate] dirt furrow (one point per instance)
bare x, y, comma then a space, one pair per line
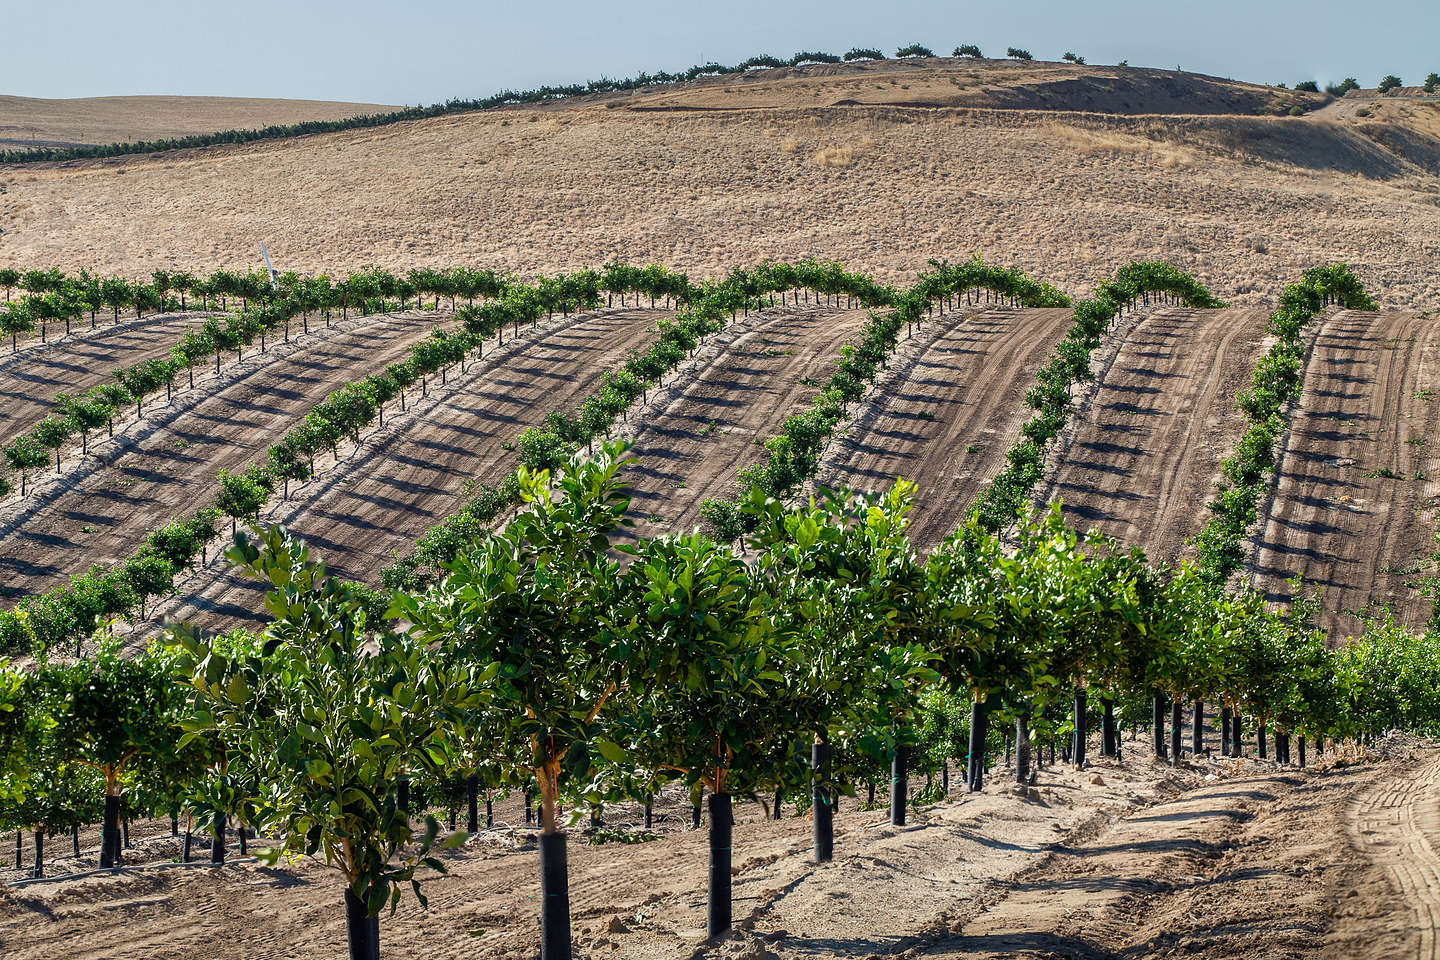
414, 472
170, 467
949, 424
695, 445
30, 383
1147, 449
1353, 508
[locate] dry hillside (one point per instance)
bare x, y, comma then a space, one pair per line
1066, 171
32, 122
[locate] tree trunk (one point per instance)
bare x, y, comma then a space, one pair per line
1260, 740
217, 840
110, 834
1107, 728
899, 785
1197, 730
185, 847
1224, 731
554, 898
1157, 721
362, 930
822, 804
1022, 748
721, 833
472, 798
1177, 723
979, 719
1237, 744
39, 870
1080, 731
1300, 743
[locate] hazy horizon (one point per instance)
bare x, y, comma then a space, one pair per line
372, 52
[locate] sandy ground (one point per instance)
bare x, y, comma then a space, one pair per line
1069, 194
416, 469
28, 121
946, 412
102, 507
1142, 455
1219, 859
693, 439
1355, 498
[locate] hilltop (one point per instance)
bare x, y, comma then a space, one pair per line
1064, 170
33, 122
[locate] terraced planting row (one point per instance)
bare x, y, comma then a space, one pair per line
104, 509
1141, 462
30, 383
1358, 484
416, 470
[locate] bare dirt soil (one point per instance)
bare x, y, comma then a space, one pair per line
692, 440
33, 122
1354, 503
1140, 459
1029, 172
1217, 859
167, 463
414, 471
31, 379
946, 413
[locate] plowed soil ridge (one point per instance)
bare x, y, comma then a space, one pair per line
693, 443
1146, 449
33, 377
105, 509
1353, 508
950, 416
413, 472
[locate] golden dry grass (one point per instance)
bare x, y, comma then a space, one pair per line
27, 120
1244, 202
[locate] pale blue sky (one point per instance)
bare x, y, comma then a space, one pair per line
428, 50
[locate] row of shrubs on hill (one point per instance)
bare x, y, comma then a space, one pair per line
1387, 83
542, 94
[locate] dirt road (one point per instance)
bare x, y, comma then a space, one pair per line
1233, 859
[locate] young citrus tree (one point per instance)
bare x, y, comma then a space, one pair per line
321, 718
535, 604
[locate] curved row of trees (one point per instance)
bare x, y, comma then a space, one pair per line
64, 616
1276, 382
711, 305
1052, 396
795, 451
539, 664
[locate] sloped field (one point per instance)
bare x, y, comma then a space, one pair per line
1353, 510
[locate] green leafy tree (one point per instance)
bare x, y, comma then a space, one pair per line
1388, 83
324, 716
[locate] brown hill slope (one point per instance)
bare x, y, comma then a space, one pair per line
1244, 201
32, 122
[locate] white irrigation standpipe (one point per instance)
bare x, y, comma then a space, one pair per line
266, 254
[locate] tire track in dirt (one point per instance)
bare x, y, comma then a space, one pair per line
1355, 492
170, 468
1146, 450
695, 445
411, 473
948, 425
1397, 823
29, 385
